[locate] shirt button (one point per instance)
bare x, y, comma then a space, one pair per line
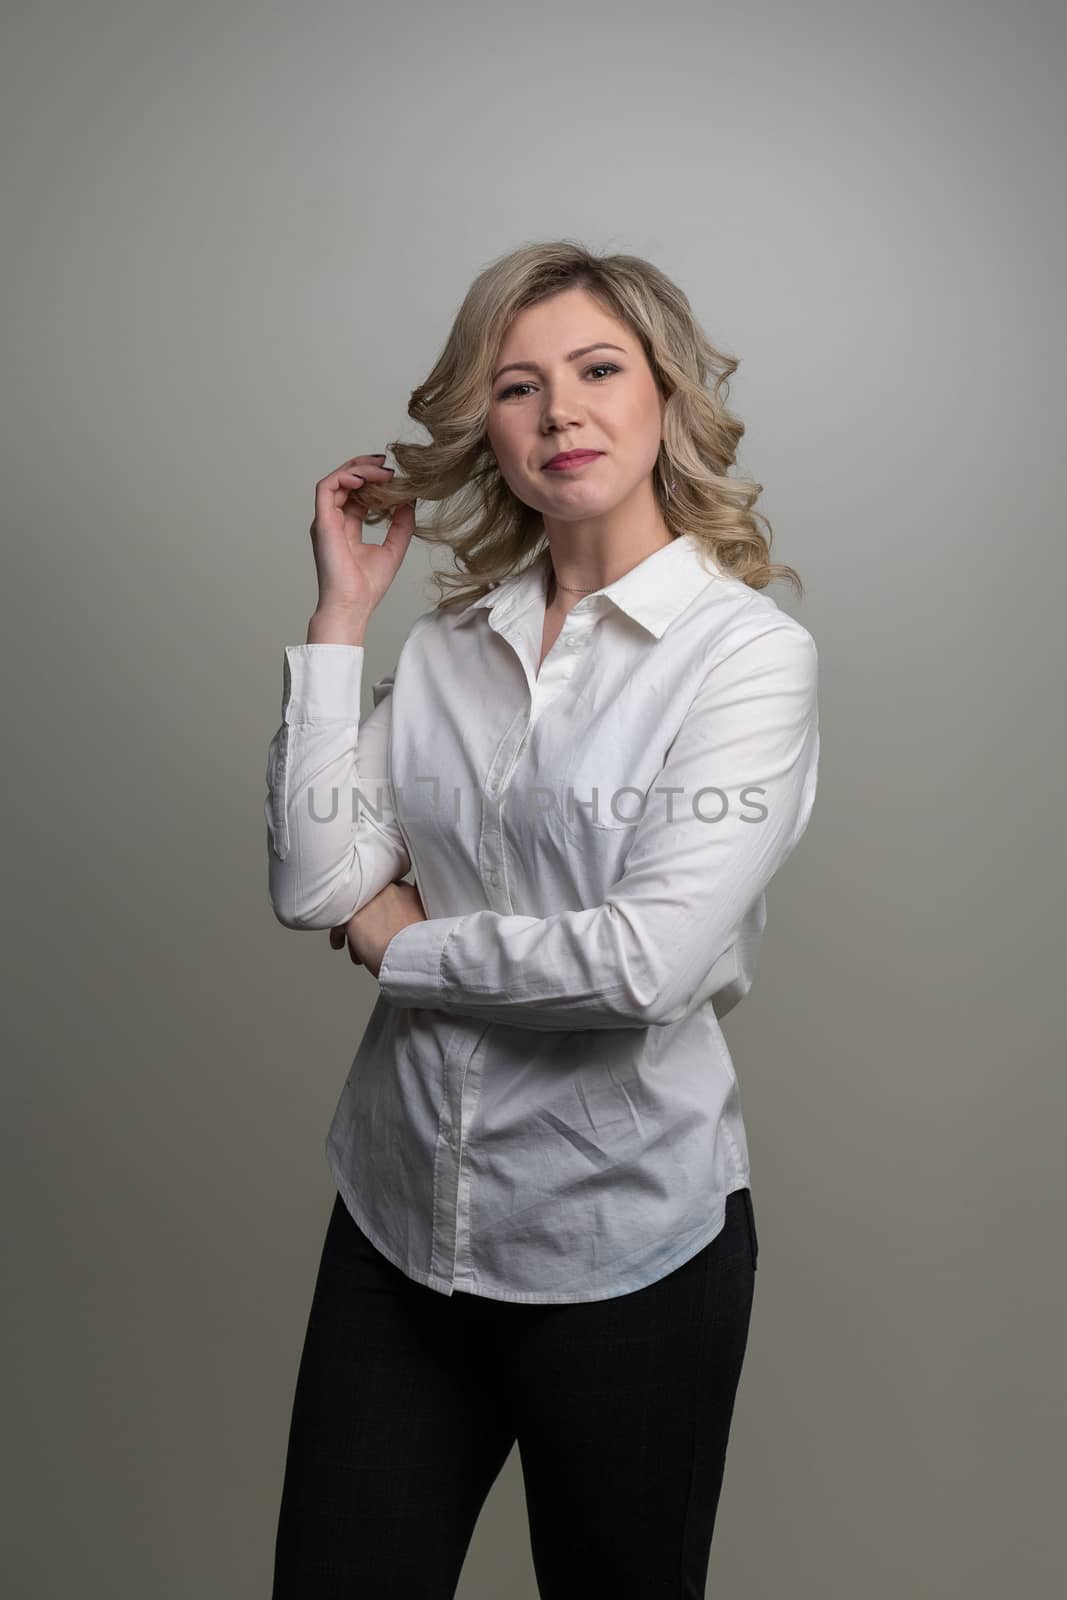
575, 644
494, 877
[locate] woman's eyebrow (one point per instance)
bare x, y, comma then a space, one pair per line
531, 366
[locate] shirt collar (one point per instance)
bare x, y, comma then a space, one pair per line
653, 593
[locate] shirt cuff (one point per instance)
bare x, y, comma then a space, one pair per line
322, 683
410, 971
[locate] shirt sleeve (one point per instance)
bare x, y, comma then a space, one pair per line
727, 809
333, 841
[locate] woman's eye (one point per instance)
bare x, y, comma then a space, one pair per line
598, 366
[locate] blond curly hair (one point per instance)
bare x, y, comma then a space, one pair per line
492, 533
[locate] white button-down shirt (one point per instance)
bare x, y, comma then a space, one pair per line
543, 1107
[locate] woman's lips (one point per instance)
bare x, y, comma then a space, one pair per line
571, 463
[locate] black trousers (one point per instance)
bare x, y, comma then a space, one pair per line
408, 1403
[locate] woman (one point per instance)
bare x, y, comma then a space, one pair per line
594, 754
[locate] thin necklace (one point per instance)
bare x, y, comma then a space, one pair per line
570, 587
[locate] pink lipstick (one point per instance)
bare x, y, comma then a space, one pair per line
573, 459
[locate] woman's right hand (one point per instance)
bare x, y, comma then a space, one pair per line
353, 576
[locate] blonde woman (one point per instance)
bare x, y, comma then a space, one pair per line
593, 753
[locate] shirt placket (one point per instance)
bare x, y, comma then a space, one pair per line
556, 672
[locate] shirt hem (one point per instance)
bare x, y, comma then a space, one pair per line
433, 1280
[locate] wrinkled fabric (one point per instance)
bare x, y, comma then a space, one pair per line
543, 1107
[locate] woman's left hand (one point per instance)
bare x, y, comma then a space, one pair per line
366, 934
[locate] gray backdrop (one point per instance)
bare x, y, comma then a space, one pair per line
235, 236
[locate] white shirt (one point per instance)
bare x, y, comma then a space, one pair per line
543, 1107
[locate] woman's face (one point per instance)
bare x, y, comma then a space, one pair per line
604, 399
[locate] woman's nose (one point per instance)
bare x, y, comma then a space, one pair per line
559, 411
